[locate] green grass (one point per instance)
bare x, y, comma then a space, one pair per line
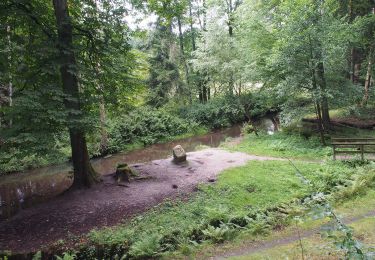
238, 192
284, 145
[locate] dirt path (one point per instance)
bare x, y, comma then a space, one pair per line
260, 246
107, 204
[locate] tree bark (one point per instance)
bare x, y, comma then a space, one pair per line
84, 174
315, 99
320, 123
181, 38
368, 78
10, 77
324, 100
191, 27
103, 127
230, 31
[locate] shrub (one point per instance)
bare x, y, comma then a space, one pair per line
217, 113
146, 126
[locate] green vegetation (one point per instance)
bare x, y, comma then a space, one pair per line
285, 145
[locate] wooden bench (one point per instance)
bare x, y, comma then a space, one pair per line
356, 146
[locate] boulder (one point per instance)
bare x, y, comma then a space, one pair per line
179, 154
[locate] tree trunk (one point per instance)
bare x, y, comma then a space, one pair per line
324, 101
102, 112
84, 174
315, 99
186, 69
368, 79
10, 77
192, 44
320, 123
230, 31
191, 27
317, 109
355, 65
103, 127
205, 96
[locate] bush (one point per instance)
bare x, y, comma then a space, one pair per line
217, 113
147, 126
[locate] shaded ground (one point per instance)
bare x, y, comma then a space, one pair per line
108, 204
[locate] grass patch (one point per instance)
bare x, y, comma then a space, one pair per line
284, 145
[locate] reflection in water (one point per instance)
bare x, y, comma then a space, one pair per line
24, 189
266, 124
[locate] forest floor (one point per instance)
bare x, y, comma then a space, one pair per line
107, 204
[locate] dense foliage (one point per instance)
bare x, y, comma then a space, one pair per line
147, 126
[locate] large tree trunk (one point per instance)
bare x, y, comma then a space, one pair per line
84, 174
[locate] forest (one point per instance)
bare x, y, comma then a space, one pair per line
257, 92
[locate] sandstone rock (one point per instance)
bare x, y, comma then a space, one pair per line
179, 154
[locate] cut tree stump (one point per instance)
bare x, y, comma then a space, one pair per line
124, 173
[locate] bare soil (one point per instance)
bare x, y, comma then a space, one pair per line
107, 204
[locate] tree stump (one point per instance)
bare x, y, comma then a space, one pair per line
124, 173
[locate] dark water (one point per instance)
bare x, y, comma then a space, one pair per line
21, 190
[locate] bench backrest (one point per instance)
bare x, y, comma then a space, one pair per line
353, 140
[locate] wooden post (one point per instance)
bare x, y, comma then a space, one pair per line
334, 152
362, 152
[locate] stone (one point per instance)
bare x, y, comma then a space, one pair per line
179, 154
